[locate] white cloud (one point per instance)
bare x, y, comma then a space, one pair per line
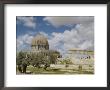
81, 37
68, 20
24, 42
45, 34
27, 21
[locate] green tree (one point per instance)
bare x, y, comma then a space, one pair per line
36, 59
22, 60
20, 57
46, 61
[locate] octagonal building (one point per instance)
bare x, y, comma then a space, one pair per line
39, 42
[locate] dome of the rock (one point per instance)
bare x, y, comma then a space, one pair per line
40, 42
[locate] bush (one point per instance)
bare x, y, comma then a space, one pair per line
36, 59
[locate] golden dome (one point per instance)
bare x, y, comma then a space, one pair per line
39, 40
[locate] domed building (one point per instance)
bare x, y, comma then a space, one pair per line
39, 43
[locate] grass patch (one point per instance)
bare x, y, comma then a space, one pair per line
49, 70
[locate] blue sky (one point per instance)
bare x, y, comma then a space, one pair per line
63, 33
41, 26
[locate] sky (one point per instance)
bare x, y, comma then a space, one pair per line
63, 32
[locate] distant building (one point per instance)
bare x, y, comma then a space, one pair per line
81, 56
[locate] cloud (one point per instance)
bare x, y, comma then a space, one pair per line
27, 21
82, 37
45, 34
68, 20
24, 42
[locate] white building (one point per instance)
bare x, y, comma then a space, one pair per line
79, 56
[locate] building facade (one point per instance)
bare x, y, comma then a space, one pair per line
40, 45
79, 56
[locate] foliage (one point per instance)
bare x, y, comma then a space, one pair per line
37, 59
20, 57
66, 61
